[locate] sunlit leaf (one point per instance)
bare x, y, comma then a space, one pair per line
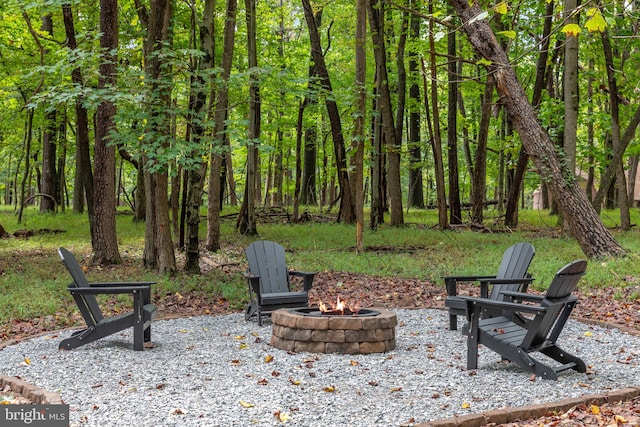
354, 363
571, 30
268, 358
27, 361
466, 405
588, 334
243, 346
329, 389
595, 409
246, 404
501, 8
239, 337
294, 382
281, 416
396, 389
596, 23
510, 34
620, 419
478, 17
484, 61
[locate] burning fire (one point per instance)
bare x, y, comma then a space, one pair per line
340, 307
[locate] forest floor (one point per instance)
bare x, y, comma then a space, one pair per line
611, 307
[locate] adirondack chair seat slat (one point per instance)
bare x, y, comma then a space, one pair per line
98, 326
269, 281
285, 298
512, 276
537, 334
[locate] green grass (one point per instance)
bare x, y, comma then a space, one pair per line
33, 281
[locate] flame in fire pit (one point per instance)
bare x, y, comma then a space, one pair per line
341, 307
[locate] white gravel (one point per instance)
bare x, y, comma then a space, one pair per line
221, 371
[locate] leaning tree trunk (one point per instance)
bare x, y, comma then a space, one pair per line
582, 219
511, 213
347, 210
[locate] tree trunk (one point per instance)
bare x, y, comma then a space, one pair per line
614, 105
394, 193
48, 178
104, 240
346, 213
479, 179
83, 181
416, 186
377, 166
583, 221
436, 141
570, 85
455, 212
220, 115
158, 252
196, 176
247, 218
359, 120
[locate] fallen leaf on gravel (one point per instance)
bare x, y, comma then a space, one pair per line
268, 359
281, 416
263, 382
246, 404
466, 405
329, 389
177, 411
294, 382
595, 409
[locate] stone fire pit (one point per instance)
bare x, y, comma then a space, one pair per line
301, 330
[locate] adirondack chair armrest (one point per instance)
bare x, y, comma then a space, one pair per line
254, 281
501, 305
108, 290
307, 278
484, 284
108, 284
451, 282
522, 296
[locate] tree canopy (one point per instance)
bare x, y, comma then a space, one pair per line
343, 106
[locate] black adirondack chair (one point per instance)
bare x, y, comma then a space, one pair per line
269, 281
546, 317
512, 276
84, 293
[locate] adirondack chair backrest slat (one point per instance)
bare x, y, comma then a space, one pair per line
87, 304
514, 265
267, 260
557, 298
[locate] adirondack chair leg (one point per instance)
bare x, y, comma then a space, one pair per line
453, 322
472, 336
251, 311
